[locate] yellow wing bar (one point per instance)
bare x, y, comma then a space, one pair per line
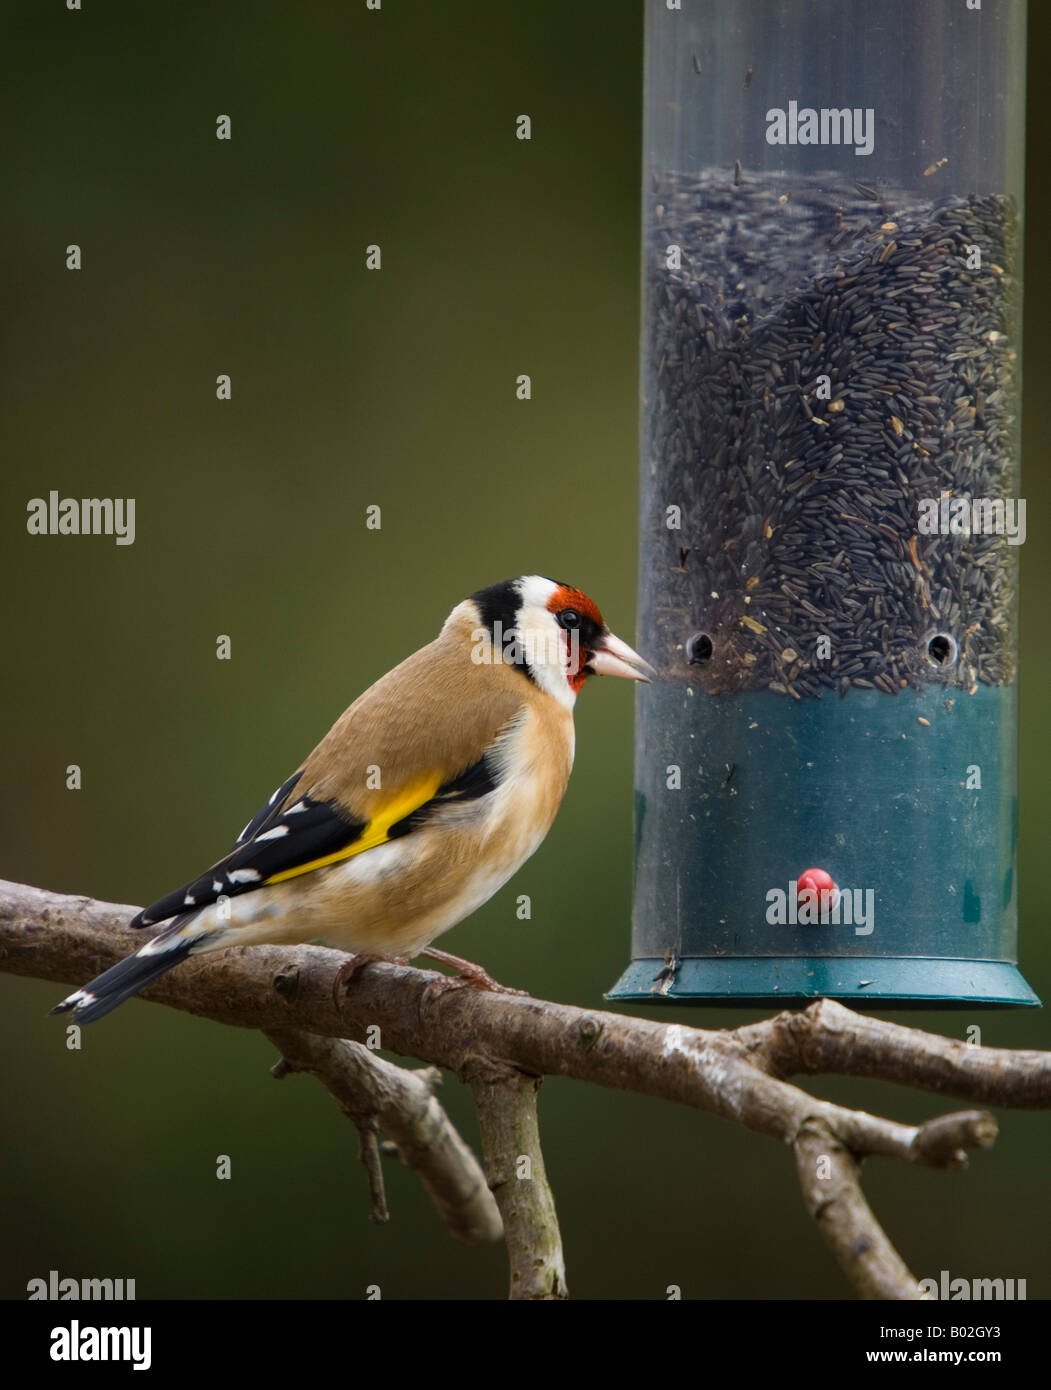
377, 830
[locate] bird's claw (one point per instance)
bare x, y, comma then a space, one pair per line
481, 979
350, 968
469, 974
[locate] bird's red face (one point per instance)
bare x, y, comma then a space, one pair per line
589, 646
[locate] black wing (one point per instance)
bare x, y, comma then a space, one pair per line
285, 838
280, 837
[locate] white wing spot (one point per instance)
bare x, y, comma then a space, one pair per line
217, 887
243, 876
274, 834
299, 806
189, 901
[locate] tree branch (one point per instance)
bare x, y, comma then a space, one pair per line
507, 1114
738, 1074
828, 1039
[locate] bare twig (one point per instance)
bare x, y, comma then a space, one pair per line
369, 1153
739, 1074
830, 1176
374, 1095
943, 1142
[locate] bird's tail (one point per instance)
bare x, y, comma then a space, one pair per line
127, 977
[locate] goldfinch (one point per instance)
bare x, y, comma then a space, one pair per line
420, 802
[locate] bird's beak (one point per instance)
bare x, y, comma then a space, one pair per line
612, 657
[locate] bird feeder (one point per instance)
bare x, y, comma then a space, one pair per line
830, 520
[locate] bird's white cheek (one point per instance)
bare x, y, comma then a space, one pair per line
553, 679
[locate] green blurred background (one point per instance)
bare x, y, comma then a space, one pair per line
350, 389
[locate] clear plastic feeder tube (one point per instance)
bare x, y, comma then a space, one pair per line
830, 503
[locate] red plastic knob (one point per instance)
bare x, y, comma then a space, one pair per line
820, 883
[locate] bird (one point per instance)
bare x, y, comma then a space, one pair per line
426, 795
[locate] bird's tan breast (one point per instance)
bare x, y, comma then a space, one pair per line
541, 757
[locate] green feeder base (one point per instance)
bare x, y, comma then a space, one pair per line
880, 982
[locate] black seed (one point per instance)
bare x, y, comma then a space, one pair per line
809, 513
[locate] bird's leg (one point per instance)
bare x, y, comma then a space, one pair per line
470, 974
352, 965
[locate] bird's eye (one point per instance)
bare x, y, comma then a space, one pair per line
569, 618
